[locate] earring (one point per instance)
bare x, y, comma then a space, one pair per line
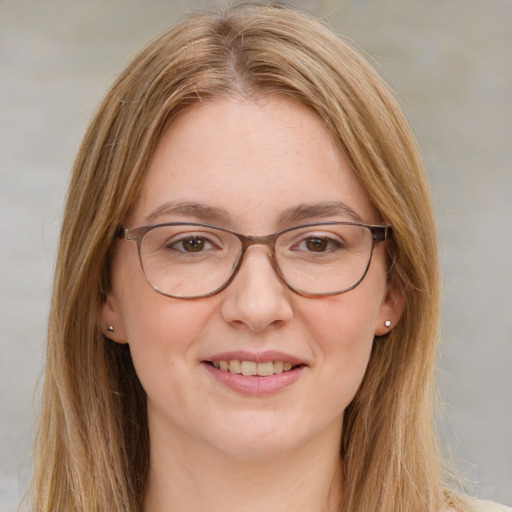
387, 323
110, 328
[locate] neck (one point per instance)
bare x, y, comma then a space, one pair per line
185, 476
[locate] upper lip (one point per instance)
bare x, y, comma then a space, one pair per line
257, 357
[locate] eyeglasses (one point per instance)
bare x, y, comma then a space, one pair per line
189, 261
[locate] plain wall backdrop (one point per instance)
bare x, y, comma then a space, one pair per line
450, 64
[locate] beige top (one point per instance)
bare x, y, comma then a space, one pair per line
488, 506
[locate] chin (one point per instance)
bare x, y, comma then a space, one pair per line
258, 448
258, 437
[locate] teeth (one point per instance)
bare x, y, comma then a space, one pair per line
252, 368
235, 366
249, 367
265, 369
278, 366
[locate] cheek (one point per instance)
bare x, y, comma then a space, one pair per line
146, 315
344, 322
163, 336
161, 324
343, 330
158, 329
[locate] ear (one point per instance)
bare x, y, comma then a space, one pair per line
111, 320
391, 310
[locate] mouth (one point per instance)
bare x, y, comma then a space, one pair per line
253, 368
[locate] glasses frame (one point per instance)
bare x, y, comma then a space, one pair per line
380, 233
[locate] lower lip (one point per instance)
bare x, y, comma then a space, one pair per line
254, 385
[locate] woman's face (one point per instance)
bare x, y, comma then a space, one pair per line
246, 165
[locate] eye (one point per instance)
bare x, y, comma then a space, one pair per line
192, 244
318, 244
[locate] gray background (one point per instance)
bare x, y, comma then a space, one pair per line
450, 63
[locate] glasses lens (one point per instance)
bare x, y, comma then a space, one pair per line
324, 259
188, 261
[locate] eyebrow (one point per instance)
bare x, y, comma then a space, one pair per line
304, 212
205, 213
220, 216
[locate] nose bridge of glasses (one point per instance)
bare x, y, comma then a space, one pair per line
249, 241
253, 241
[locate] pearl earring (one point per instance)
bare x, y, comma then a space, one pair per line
387, 323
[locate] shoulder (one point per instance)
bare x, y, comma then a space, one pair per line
486, 506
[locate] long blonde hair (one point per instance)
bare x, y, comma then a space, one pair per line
91, 451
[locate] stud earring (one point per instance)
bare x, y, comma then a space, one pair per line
387, 323
110, 328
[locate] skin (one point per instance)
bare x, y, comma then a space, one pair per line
213, 448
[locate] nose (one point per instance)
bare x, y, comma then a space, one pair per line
257, 298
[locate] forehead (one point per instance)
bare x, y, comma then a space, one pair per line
251, 159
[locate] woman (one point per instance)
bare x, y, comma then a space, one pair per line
246, 296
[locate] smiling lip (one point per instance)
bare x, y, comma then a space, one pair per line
255, 374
